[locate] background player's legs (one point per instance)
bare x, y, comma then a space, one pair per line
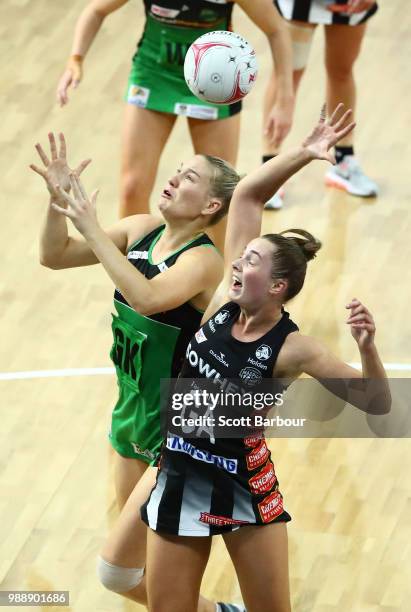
301, 37
145, 133
127, 473
219, 138
175, 567
342, 48
260, 557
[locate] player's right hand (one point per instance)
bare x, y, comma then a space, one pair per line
56, 170
328, 132
70, 77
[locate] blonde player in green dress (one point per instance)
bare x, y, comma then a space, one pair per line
164, 272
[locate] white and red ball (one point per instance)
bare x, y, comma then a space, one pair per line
220, 67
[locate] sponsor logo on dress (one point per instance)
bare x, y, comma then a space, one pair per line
264, 480
137, 255
271, 507
180, 445
162, 266
211, 325
138, 95
263, 352
200, 336
251, 376
162, 11
214, 519
195, 111
258, 456
201, 364
208, 371
252, 441
254, 362
146, 453
219, 357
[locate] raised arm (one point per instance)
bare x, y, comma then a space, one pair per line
368, 389
87, 27
266, 16
58, 250
194, 273
246, 208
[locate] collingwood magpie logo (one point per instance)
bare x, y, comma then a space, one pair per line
221, 317
263, 352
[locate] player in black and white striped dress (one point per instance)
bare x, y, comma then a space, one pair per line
218, 485
345, 25
327, 12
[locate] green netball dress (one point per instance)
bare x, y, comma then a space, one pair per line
156, 79
145, 350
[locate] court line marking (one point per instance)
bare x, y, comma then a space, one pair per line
71, 372
56, 373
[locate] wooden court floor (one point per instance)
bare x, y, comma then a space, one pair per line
350, 537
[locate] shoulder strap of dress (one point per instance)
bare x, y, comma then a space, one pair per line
147, 238
202, 240
275, 338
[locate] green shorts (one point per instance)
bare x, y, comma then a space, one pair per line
156, 80
142, 353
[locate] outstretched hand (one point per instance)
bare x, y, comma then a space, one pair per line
56, 170
328, 132
361, 323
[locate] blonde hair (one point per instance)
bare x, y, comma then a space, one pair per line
222, 185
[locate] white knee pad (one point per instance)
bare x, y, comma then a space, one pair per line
301, 39
116, 578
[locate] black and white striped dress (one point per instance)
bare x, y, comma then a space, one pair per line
210, 486
316, 12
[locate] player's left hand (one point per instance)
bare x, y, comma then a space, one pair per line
279, 123
361, 323
358, 6
80, 209
328, 132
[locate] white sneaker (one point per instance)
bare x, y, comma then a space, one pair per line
347, 175
276, 201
